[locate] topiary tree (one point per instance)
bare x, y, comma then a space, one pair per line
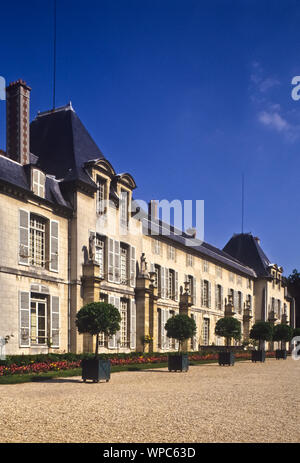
228, 328
296, 332
282, 333
261, 331
96, 318
181, 328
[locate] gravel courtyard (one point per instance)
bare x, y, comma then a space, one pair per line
245, 403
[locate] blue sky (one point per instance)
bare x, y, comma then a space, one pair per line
185, 95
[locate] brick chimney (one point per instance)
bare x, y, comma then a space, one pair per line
17, 121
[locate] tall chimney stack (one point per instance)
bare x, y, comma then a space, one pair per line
17, 121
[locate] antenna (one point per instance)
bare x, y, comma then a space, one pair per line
243, 187
54, 55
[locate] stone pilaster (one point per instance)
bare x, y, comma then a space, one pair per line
246, 321
144, 306
91, 293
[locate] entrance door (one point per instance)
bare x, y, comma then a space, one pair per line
38, 328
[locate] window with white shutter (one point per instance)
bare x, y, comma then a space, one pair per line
38, 183
54, 233
55, 321
163, 282
24, 306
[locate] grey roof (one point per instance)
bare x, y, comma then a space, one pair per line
156, 227
63, 145
246, 249
15, 174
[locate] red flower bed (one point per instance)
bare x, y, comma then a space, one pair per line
43, 367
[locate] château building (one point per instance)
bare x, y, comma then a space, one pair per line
71, 234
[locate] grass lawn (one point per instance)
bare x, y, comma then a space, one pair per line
32, 377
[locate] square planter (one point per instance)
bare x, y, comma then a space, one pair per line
95, 370
281, 354
258, 355
226, 358
179, 362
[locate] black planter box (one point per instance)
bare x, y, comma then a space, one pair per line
178, 362
95, 370
258, 355
226, 358
281, 354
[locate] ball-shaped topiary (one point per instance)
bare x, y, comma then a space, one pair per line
181, 328
283, 333
261, 331
228, 328
96, 318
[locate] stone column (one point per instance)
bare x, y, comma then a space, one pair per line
153, 319
272, 319
246, 320
144, 305
185, 303
91, 293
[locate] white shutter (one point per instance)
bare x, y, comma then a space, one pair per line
54, 327
24, 306
222, 300
209, 294
24, 217
117, 336
110, 264
216, 296
176, 286
117, 273
202, 293
167, 295
194, 291
235, 300
132, 324
54, 233
111, 339
132, 266
162, 277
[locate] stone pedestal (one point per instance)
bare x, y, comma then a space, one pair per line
246, 323
144, 311
185, 304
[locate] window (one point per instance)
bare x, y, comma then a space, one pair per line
219, 297
38, 319
231, 296
37, 240
189, 260
231, 276
248, 283
157, 247
124, 265
205, 331
171, 253
205, 266
100, 254
239, 280
124, 208
218, 271
124, 323
171, 284
38, 183
205, 293
157, 280
240, 302
101, 195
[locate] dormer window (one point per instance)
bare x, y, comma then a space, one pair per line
38, 183
101, 194
124, 208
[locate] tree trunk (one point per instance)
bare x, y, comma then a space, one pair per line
97, 344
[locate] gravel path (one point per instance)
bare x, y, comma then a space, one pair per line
245, 403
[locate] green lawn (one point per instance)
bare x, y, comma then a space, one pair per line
35, 377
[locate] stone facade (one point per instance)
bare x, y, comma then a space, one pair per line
88, 245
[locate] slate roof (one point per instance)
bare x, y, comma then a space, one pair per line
63, 145
15, 174
204, 249
246, 249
